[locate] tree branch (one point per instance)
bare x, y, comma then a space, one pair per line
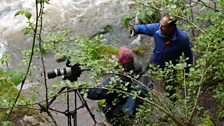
29, 65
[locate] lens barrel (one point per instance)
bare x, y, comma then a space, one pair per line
59, 72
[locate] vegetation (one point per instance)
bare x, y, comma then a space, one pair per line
206, 75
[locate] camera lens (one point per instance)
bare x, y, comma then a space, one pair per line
59, 72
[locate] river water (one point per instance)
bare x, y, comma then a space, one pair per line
81, 16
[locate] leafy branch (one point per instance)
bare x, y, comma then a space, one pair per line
30, 61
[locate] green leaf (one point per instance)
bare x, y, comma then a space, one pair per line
20, 12
28, 15
15, 77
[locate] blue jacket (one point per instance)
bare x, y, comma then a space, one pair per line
179, 43
117, 104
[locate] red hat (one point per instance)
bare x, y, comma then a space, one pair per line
126, 56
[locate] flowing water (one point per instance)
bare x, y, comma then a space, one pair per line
81, 16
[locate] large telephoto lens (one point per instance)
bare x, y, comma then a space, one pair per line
59, 72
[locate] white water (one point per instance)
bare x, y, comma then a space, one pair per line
2, 47
81, 16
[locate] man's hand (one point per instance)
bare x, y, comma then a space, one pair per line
132, 29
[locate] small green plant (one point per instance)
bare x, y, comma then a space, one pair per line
7, 123
219, 96
139, 51
15, 77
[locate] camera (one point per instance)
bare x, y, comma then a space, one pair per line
70, 72
59, 72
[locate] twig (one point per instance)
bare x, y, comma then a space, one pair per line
203, 3
52, 118
154, 104
197, 97
147, 88
29, 65
192, 18
180, 17
185, 94
201, 80
40, 48
188, 21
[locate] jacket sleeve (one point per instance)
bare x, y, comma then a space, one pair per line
147, 29
99, 93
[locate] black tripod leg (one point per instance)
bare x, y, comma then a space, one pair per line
87, 107
52, 100
72, 114
75, 113
69, 116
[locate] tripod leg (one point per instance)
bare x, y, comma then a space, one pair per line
52, 100
75, 113
86, 105
69, 116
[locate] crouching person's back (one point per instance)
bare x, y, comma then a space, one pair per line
119, 108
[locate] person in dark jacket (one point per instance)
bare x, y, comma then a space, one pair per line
170, 43
117, 104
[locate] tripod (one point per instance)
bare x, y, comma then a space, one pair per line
73, 76
71, 114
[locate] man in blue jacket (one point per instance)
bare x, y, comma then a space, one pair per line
170, 42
